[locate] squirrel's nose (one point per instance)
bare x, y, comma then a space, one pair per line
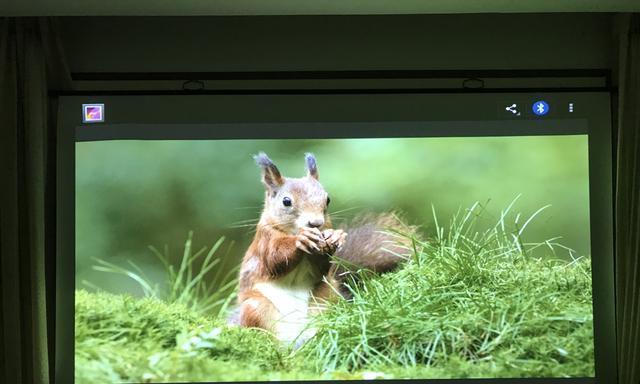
316, 223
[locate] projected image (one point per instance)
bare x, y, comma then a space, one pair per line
333, 259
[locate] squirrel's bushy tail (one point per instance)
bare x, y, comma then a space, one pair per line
378, 242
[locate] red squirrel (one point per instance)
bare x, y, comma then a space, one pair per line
286, 274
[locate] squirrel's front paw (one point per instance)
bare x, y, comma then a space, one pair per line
310, 240
334, 239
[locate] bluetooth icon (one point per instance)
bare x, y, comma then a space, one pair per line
540, 108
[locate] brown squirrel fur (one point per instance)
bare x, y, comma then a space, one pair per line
286, 274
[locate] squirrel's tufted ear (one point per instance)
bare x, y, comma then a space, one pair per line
312, 168
271, 176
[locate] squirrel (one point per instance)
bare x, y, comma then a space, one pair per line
286, 274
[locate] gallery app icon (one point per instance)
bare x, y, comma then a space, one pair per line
92, 113
540, 108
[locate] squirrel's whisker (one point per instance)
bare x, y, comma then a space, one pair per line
344, 210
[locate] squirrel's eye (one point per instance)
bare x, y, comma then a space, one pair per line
328, 200
286, 201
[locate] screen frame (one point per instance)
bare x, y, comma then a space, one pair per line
601, 199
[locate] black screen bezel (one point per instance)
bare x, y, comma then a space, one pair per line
137, 111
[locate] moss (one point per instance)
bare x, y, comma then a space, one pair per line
122, 338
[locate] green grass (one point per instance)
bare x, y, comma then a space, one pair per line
208, 288
473, 301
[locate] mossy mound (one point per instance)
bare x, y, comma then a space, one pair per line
122, 338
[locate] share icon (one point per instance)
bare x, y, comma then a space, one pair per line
513, 108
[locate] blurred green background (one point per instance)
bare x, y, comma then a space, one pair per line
132, 194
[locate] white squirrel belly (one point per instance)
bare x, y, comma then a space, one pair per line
291, 295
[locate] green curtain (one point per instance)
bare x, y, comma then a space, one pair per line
31, 63
628, 206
